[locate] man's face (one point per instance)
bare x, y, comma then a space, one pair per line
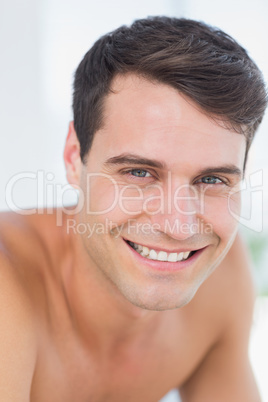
159, 176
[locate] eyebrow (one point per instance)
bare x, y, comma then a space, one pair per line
133, 159
226, 169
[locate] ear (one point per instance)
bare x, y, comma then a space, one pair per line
72, 160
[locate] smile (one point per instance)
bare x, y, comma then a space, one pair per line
151, 254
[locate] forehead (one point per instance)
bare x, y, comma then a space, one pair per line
156, 121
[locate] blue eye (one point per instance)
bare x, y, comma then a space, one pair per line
211, 180
139, 173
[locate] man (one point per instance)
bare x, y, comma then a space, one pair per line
144, 286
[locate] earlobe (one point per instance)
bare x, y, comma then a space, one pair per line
72, 158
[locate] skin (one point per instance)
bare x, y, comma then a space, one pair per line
99, 322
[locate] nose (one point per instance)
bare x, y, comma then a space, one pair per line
176, 212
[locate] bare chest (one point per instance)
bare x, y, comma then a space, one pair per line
147, 373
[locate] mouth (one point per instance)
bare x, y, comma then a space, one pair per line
160, 255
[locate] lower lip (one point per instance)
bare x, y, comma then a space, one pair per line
164, 265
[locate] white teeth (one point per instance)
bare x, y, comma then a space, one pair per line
161, 255
172, 257
180, 257
186, 254
153, 255
145, 251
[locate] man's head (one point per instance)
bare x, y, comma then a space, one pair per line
164, 114
201, 62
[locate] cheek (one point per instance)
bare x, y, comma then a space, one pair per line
101, 196
107, 199
130, 200
222, 212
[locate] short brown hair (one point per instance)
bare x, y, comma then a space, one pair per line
200, 61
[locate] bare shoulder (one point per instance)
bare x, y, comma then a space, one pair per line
35, 247
30, 248
42, 227
36, 240
18, 341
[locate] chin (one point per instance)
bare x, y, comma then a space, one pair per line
160, 300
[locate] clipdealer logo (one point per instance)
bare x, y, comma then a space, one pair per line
47, 192
133, 226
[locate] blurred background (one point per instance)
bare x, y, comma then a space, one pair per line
42, 42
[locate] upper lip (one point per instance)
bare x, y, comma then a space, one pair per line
157, 248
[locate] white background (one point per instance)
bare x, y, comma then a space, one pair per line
41, 43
